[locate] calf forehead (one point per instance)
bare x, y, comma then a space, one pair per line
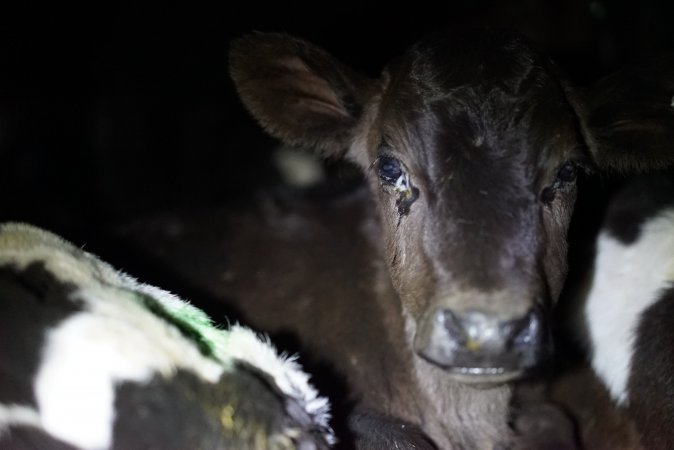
444, 62
488, 99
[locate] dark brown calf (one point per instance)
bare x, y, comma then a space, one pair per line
443, 274
472, 147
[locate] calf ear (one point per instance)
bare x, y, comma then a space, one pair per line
628, 117
298, 92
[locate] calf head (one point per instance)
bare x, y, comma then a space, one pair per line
471, 145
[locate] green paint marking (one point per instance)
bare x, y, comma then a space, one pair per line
189, 321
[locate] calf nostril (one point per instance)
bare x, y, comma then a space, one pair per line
475, 331
523, 332
448, 320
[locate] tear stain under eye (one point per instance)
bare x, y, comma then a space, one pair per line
548, 194
407, 194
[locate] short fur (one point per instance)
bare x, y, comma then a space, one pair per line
93, 351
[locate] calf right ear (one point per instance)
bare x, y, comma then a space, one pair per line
298, 92
628, 117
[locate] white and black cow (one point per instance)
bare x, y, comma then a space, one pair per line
629, 307
92, 359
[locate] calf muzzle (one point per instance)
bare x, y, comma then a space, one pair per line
476, 347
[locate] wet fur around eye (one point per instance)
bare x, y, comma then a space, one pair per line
391, 172
567, 174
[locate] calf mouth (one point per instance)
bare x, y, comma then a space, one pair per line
486, 376
478, 376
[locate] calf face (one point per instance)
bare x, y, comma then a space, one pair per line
473, 180
471, 145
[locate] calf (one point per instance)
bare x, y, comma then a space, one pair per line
92, 359
471, 145
630, 304
431, 289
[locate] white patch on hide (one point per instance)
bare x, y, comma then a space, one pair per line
244, 345
115, 340
627, 280
18, 415
22, 244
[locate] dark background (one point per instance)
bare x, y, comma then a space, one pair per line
112, 112
108, 113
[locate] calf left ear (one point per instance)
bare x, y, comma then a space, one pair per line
628, 117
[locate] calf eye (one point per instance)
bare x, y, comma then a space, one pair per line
567, 173
389, 169
391, 172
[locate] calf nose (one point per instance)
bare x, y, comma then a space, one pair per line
474, 330
477, 345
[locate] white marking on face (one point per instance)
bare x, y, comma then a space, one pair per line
627, 280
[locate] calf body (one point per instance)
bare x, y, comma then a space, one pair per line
92, 359
629, 306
